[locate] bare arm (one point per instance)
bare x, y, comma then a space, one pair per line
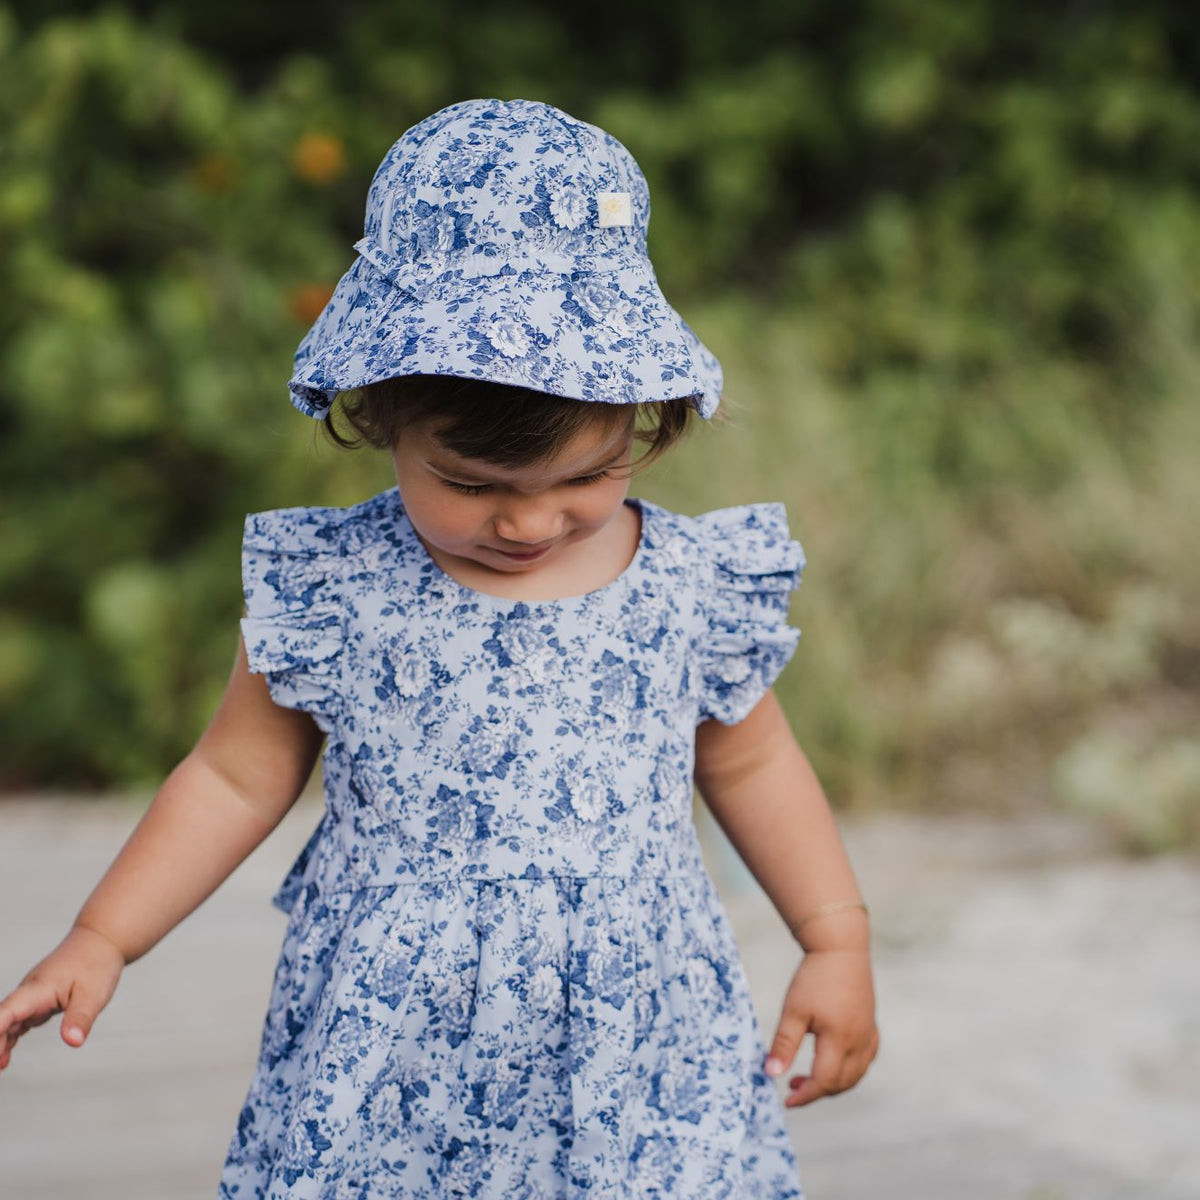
212, 811
761, 789
215, 807
763, 793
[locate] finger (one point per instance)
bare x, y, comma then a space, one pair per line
853, 1067
827, 1065
856, 1062
9, 1043
81, 1011
869, 1053
8, 1013
14, 1032
27, 1001
10, 1040
785, 1045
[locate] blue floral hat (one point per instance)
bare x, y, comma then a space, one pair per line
506, 240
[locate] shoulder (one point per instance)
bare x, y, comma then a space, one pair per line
318, 530
741, 539
746, 638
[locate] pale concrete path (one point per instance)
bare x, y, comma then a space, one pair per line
1039, 1007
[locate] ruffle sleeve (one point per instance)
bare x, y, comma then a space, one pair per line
744, 641
294, 627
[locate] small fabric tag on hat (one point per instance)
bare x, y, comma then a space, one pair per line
615, 208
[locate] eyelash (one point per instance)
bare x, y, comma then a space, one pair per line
473, 489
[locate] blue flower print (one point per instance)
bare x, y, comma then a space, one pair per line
506, 971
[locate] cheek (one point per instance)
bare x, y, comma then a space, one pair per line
603, 502
457, 519
443, 514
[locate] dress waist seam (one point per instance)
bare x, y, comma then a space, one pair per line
357, 885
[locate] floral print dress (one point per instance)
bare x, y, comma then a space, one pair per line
506, 972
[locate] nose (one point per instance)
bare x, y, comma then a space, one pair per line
528, 520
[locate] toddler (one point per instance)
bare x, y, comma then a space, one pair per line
506, 972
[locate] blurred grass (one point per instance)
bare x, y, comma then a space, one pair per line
1031, 639
950, 264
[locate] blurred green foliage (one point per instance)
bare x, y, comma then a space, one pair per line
947, 250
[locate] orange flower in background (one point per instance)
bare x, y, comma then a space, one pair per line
214, 173
318, 158
306, 301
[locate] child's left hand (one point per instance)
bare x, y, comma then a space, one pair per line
832, 996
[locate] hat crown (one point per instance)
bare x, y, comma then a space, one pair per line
505, 240
492, 180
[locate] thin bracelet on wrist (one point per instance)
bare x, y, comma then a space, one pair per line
832, 906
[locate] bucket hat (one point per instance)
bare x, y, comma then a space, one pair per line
506, 240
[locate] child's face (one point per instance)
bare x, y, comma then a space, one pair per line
547, 507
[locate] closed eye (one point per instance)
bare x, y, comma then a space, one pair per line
473, 489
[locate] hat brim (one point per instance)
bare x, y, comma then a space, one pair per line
596, 335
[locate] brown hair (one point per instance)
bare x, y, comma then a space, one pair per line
495, 422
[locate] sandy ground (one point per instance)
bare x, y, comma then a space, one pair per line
1039, 1002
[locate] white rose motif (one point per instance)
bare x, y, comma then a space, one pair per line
303, 1134
618, 693
373, 555
534, 1191
732, 668
676, 1085
497, 1092
616, 324
594, 297
490, 747
435, 234
645, 622
414, 674
673, 554
387, 1109
590, 800
462, 166
538, 665
349, 1038
509, 337
487, 747
461, 1174
545, 988
463, 831
568, 208
454, 998
703, 984
665, 780
521, 640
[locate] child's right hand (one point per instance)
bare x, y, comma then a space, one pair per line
77, 978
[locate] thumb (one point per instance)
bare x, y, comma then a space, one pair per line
78, 1017
788, 1036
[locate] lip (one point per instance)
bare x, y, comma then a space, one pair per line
529, 557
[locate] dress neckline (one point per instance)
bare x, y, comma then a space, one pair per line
430, 564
